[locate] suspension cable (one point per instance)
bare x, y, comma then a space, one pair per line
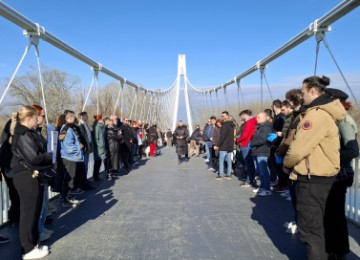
88, 94
16, 70
342, 74
268, 87
41, 82
118, 96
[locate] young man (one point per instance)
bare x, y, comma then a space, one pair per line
244, 140
225, 145
208, 134
315, 159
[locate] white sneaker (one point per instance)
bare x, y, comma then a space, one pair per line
44, 236
292, 229
257, 190
264, 193
288, 225
36, 253
206, 160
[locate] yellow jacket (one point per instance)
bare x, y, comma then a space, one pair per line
316, 145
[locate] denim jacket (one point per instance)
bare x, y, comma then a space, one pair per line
70, 147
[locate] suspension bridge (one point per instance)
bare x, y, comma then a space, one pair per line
165, 211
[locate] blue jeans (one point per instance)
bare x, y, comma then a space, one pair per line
263, 170
225, 155
86, 163
208, 148
249, 163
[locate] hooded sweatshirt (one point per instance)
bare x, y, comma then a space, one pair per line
315, 148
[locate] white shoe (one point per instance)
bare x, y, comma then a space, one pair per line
206, 160
292, 229
48, 231
288, 225
36, 253
264, 193
257, 190
44, 236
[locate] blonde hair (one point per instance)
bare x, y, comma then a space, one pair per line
19, 116
109, 121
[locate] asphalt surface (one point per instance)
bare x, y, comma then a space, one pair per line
163, 210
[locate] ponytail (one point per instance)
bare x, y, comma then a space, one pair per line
14, 121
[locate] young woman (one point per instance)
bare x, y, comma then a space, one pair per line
28, 154
114, 138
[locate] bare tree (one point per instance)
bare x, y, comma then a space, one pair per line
59, 88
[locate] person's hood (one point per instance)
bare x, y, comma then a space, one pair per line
21, 129
334, 108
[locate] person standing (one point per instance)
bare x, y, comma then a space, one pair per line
28, 155
113, 140
72, 155
169, 136
86, 133
247, 133
208, 138
194, 142
314, 157
336, 230
100, 155
126, 145
181, 134
261, 151
5, 160
225, 145
152, 139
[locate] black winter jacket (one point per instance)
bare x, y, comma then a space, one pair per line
113, 140
226, 137
29, 150
259, 144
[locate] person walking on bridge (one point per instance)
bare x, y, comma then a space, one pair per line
315, 159
181, 134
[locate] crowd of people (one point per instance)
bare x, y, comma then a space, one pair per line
301, 148
25, 157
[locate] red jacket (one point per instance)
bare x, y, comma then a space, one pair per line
248, 132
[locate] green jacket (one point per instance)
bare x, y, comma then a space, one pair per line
99, 141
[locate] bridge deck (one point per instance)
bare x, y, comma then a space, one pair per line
167, 211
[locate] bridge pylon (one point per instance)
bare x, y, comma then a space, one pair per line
182, 74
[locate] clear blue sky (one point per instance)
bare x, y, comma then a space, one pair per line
140, 40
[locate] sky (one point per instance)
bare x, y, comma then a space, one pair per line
141, 40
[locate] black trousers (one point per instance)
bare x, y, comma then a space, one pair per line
311, 195
97, 165
69, 177
336, 229
125, 155
115, 160
14, 211
31, 199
